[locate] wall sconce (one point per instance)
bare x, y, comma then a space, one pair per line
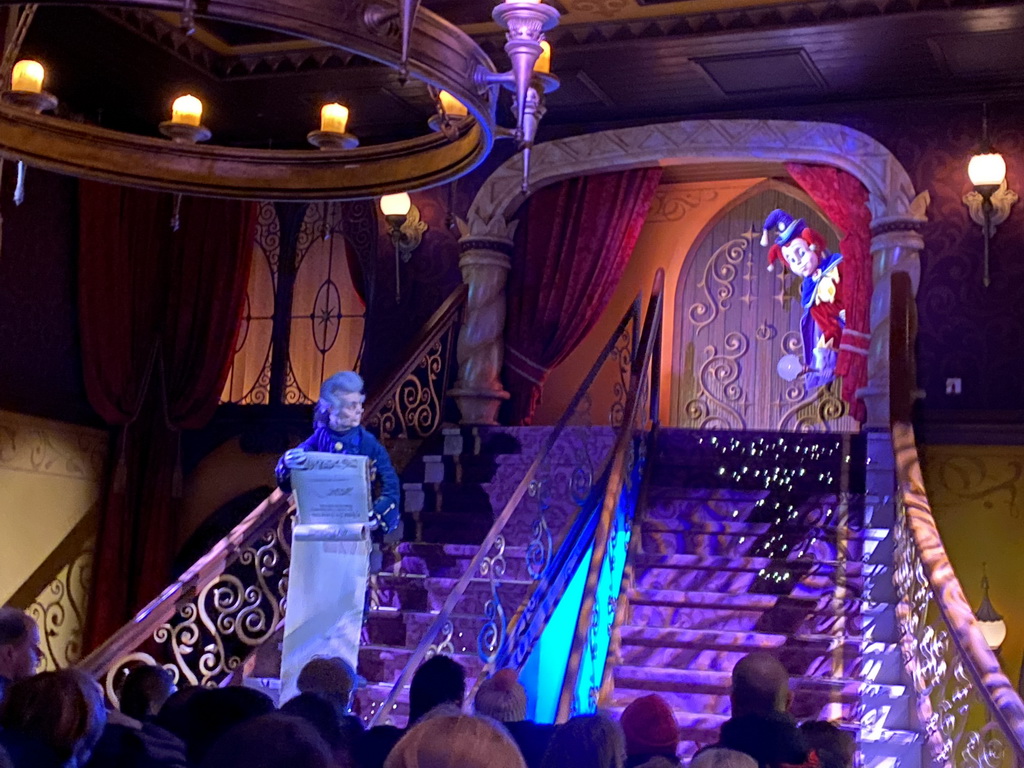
186, 123
990, 201
406, 231
989, 621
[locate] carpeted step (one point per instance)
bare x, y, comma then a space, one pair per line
806, 655
774, 508
762, 613
813, 697
447, 560
671, 537
382, 664
405, 629
428, 593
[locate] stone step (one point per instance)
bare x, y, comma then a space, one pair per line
814, 698
671, 537
777, 614
804, 655
428, 593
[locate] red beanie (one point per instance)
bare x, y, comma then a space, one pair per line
650, 727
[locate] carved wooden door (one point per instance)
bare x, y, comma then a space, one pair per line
734, 321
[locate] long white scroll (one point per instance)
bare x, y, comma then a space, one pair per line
329, 564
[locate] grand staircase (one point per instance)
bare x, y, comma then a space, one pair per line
766, 542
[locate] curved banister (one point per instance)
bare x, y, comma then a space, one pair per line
492, 536
642, 366
929, 588
261, 542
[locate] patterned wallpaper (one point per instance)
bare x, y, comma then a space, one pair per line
965, 330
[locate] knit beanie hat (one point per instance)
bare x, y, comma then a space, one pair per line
650, 727
502, 697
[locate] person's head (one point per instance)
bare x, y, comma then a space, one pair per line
450, 741
145, 690
330, 677
716, 757
650, 727
64, 710
760, 685
19, 644
440, 679
835, 747
587, 741
341, 400
212, 712
269, 741
329, 720
502, 697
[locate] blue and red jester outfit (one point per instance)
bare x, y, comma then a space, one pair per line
803, 250
356, 441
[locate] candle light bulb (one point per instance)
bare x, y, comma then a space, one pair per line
333, 118
187, 110
27, 76
543, 64
452, 106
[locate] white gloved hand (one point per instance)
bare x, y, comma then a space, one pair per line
295, 458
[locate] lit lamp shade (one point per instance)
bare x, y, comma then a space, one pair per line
333, 118
543, 64
988, 169
396, 205
187, 110
452, 106
27, 76
994, 632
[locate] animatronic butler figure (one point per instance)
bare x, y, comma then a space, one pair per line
337, 430
821, 293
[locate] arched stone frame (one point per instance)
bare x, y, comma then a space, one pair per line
744, 148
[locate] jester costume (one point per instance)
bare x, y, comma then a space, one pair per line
821, 292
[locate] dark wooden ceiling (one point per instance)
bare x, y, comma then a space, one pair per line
620, 61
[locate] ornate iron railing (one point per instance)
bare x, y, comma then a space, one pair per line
204, 625
967, 708
505, 641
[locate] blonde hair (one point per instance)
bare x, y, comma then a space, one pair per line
456, 741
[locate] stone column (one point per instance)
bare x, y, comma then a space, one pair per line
895, 247
481, 349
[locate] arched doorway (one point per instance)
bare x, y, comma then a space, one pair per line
734, 321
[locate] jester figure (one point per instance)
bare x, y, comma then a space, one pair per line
821, 292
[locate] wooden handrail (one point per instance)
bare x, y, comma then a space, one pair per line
642, 365
268, 514
1000, 698
502, 519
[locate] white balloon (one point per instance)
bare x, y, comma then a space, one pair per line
789, 367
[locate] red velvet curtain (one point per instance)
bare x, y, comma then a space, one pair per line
844, 200
159, 313
572, 245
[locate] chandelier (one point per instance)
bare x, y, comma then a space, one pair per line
419, 44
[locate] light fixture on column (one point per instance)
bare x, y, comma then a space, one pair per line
405, 229
990, 201
333, 133
989, 621
186, 123
525, 22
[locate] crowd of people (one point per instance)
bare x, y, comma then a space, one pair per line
61, 720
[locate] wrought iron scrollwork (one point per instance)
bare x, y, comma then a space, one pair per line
492, 634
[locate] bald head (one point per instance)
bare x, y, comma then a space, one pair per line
760, 686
